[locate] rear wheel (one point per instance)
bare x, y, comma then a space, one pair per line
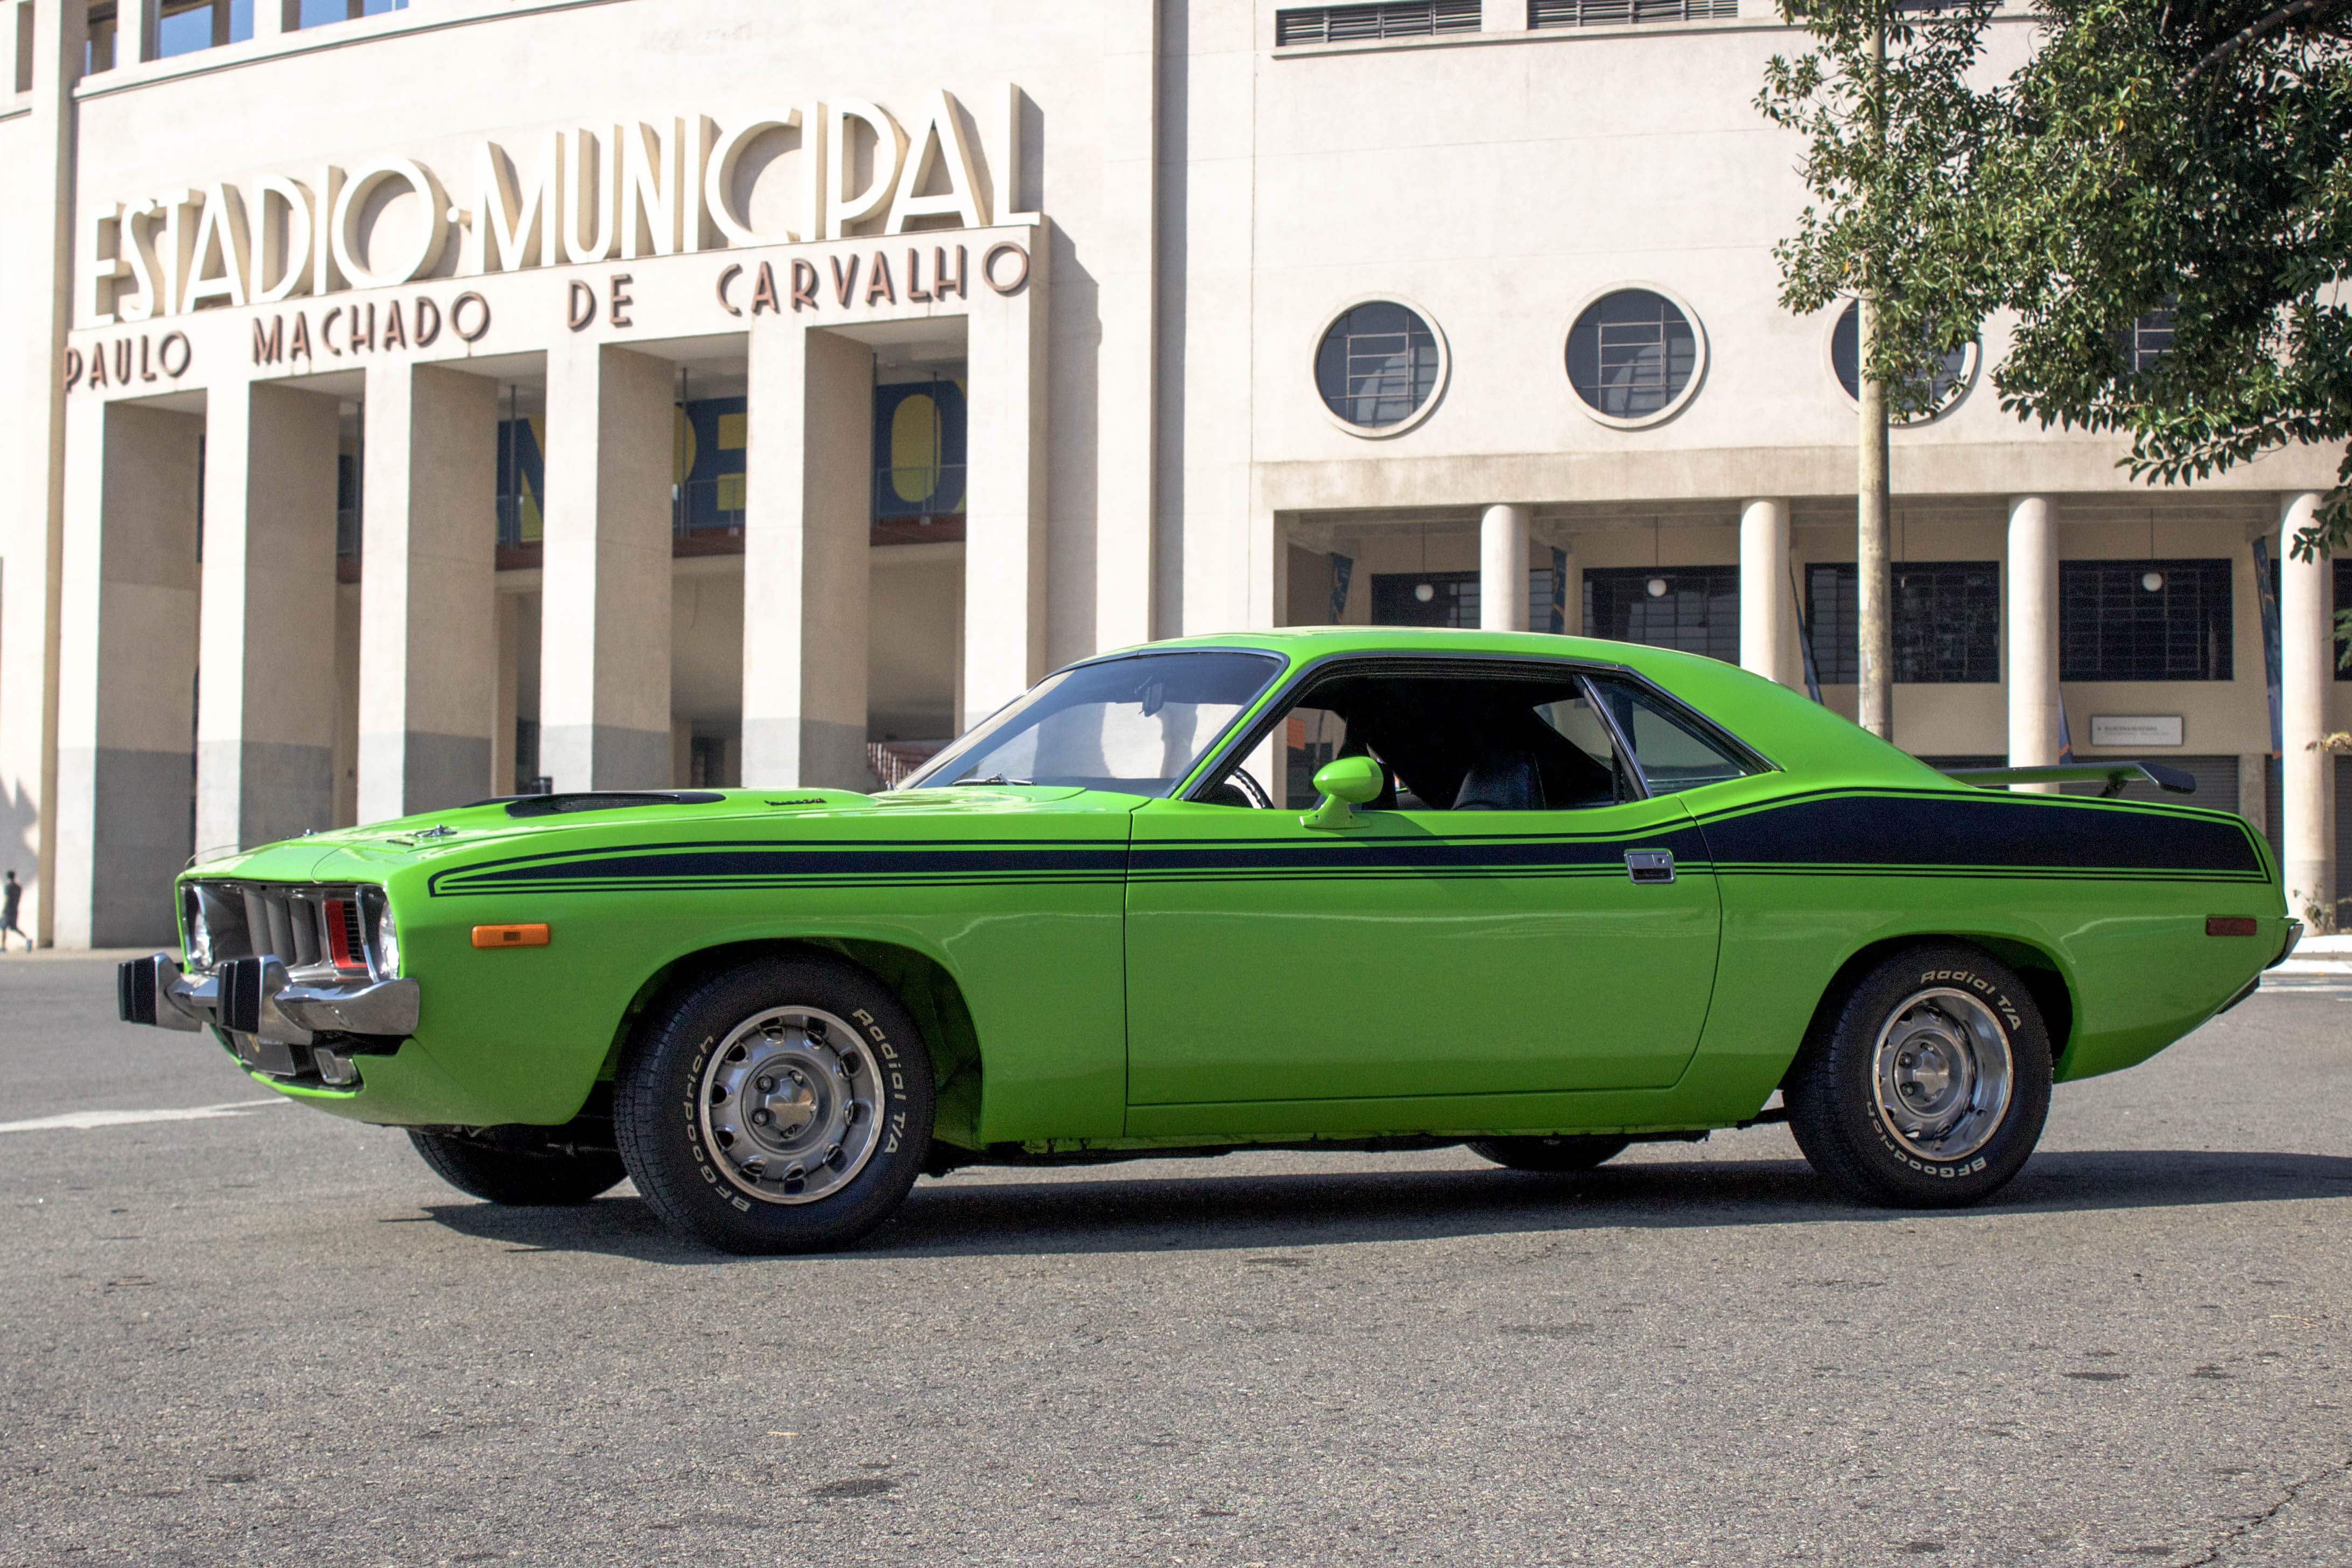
527, 1166
1929, 1088
1554, 1155
784, 1106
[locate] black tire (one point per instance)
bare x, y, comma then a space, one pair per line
525, 1166
678, 1107
1921, 999
1554, 1156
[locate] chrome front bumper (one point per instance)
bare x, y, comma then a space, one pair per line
266, 1011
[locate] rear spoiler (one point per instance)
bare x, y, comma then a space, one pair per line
2114, 775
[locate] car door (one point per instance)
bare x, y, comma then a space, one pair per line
1522, 945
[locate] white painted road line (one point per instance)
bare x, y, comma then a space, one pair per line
84, 1120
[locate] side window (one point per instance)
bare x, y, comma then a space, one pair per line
1673, 753
1579, 723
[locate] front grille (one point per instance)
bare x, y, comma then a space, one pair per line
321, 928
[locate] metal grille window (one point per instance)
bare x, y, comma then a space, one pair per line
1694, 608
2151, 340
1359, 24
1939, 391
1377, 364
1620, 12
1946, 621
2144, 620
1453, 599
1631, 353
2342, 568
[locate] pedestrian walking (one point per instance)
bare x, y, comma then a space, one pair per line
12, 894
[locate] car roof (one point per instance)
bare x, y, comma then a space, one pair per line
1786, 727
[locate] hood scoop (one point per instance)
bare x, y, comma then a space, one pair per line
528, 805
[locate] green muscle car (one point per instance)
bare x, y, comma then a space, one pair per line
1338, 887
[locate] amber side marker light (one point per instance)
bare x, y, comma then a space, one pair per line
2215, 925
527, 935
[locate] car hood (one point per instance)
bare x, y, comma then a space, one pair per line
376, 850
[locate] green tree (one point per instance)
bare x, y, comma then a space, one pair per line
1890, 122
2157, 158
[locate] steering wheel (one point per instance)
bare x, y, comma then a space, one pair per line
1252, 788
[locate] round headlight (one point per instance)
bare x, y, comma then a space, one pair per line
387, 942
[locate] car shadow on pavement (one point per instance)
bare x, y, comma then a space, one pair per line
1069, 1212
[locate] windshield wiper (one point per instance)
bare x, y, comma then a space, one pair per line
991, 779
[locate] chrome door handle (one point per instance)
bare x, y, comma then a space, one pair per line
1649, 865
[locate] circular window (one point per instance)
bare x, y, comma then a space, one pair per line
1379, 367
1935, 398
1634, 356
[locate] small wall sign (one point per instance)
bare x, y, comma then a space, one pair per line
2136, 730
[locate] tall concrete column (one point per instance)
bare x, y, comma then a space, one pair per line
1503, 569
265, 720
1126, 244
1003, 621
2253, 789
1765, 605
2032, 632
603, 691
127, 669
2306, 672
31, 523
807, 526
429, 612
138, 25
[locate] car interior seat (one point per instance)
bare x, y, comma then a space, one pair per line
1504, 778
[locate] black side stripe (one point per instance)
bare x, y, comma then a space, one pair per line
1832, 833
1981, 830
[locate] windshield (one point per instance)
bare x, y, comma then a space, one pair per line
1135, 725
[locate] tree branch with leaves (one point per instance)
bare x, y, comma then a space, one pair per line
1883, 102
2155, 156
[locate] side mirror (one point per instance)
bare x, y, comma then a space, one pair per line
1344, 785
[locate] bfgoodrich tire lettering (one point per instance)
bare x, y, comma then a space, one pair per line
784, 1106
1929, 1086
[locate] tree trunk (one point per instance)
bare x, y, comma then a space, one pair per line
1873, 585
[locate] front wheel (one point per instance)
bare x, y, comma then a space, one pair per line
784, 1106
1929, 1086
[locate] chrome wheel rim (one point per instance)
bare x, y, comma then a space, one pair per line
790, 1105
1942, 1072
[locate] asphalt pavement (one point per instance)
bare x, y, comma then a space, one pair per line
252, 1334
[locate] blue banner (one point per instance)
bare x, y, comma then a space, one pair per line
1805, 638
2266, 596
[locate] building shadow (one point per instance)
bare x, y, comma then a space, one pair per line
1096, 1213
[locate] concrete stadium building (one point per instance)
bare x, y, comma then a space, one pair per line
418, 402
